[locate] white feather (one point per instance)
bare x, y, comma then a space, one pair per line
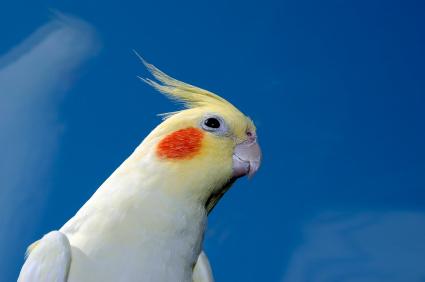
48, 260
132, 229
202, 271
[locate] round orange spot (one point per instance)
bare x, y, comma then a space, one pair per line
181, 144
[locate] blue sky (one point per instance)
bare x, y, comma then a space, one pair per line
336, 88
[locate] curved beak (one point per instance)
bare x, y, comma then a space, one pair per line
246, 158
246, 161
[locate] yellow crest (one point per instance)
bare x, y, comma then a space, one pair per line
191, 96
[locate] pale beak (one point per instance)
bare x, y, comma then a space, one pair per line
246, 158
246, 161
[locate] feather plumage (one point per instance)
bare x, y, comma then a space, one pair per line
191, 96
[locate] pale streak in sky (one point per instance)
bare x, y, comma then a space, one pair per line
360, 247
34, 76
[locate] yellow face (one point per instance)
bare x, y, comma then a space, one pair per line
202, 149
198, 145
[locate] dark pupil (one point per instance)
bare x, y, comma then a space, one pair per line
212, 122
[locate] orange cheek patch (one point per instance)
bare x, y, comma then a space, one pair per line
181, 144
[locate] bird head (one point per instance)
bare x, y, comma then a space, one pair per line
201, 150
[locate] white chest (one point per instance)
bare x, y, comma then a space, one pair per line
153, 240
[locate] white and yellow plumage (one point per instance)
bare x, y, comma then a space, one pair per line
147, 220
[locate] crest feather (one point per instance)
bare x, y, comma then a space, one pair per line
191, 96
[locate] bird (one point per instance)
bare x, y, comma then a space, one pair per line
147, 221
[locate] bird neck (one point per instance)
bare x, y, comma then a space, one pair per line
133, 218
148, 199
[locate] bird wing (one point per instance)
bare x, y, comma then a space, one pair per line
48, 259
202, 270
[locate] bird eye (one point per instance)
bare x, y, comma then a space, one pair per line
212, 123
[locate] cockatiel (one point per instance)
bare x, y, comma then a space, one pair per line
147, 220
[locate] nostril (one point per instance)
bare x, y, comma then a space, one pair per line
251, 136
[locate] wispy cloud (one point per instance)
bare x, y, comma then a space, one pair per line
33, 78
361, 247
